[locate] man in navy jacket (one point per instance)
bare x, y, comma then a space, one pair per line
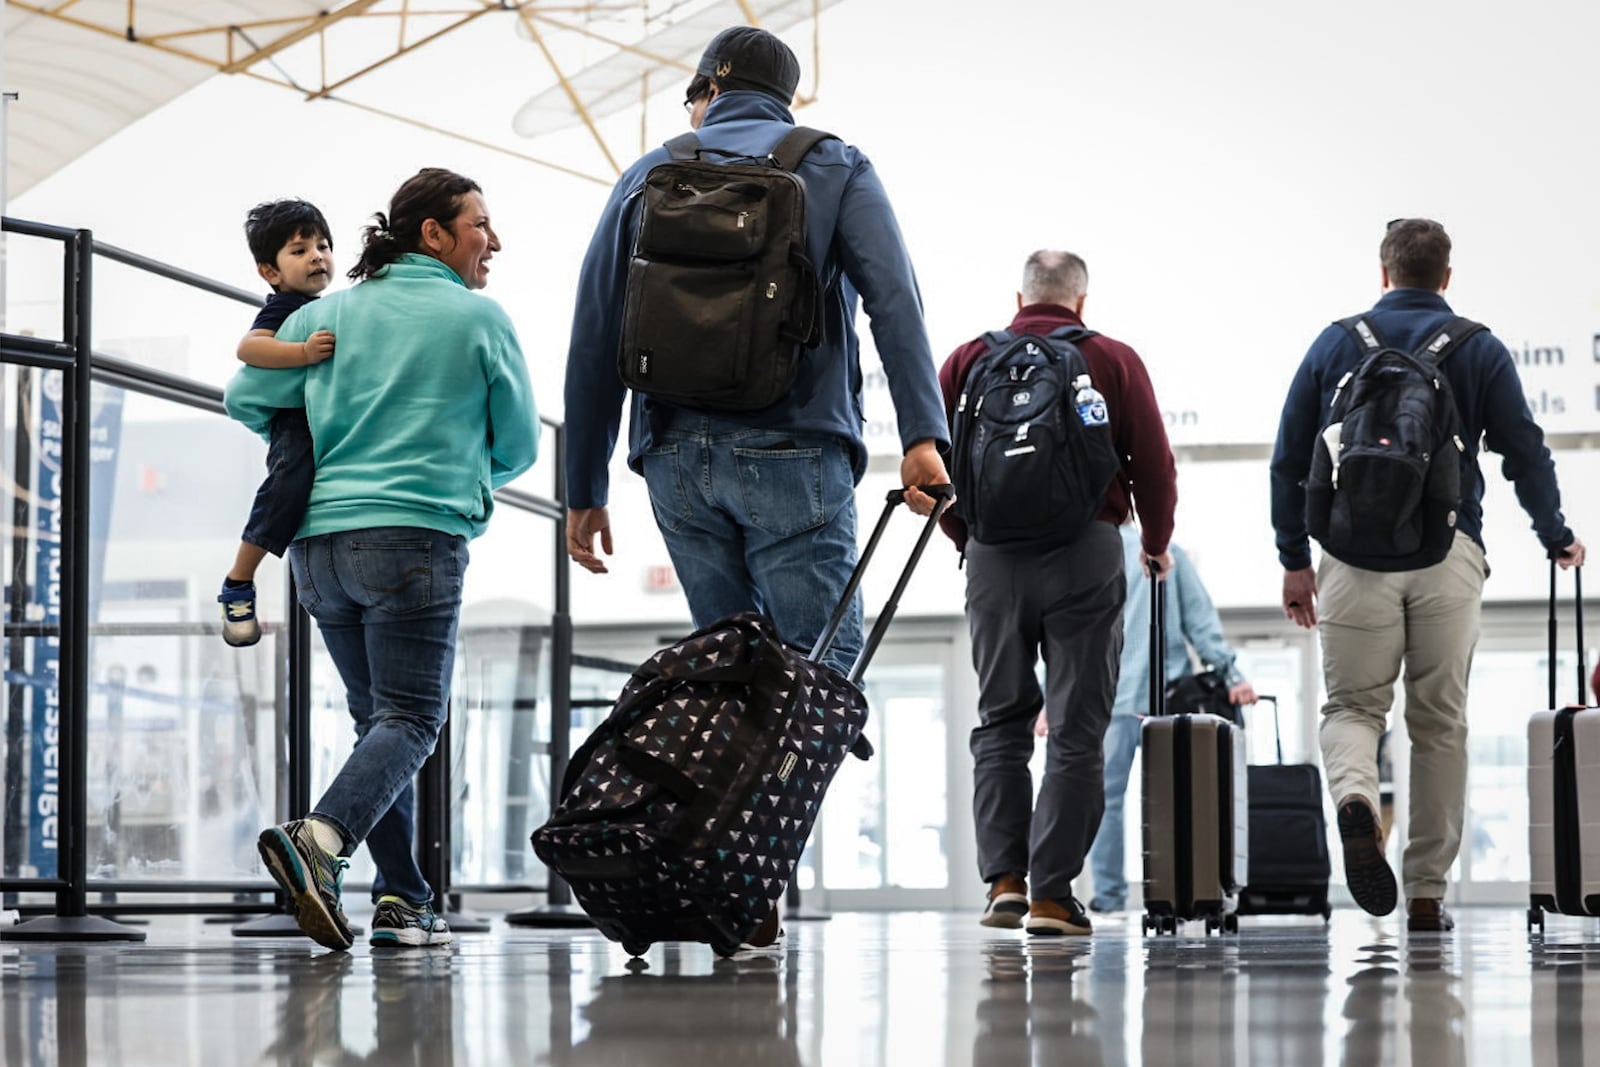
1373, 621
758, 508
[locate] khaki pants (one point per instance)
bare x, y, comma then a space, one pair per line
1372, 622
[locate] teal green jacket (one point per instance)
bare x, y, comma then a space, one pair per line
422, 412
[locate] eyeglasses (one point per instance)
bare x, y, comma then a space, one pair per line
688, 105
1393, 223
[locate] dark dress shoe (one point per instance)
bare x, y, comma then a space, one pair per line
1427, 915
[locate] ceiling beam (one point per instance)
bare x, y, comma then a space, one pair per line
315, 26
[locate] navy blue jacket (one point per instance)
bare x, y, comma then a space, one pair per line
851, 229
1490, 400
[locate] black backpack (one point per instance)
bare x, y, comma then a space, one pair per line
1026, 466
1385, 482
721, 294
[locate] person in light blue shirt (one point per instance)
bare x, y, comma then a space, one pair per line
426, 412
1192, 622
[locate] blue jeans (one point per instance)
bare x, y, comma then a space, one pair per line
387, 601
757, 520
280, 503
1105, 855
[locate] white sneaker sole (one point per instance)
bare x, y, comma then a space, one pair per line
1005, 912
410, 937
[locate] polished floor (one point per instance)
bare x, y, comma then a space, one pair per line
859, 989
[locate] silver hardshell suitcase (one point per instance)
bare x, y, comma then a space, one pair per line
1196, 806
1564, 793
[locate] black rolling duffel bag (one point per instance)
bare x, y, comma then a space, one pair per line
683, 815
1289, 864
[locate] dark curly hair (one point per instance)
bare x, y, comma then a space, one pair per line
432, 193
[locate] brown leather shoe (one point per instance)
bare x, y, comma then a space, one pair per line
1008, 902
1054, 918
1366, 870
1427, 915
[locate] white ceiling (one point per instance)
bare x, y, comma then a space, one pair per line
78, 85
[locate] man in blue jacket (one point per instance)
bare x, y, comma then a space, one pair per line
758, 508
1373, 621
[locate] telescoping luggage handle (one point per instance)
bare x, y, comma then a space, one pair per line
943, 496
1158, 641
1580, 698
1277, 729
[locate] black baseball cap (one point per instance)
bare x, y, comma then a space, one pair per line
748, 57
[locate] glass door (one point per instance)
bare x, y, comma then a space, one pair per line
883, 837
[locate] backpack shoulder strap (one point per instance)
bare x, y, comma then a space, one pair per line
1361, 331
1072, 334
684, 146
1446, 339
796, 144
998, 339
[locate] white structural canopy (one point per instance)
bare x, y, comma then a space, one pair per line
85, 69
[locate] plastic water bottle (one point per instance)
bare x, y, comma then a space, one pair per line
1091, 405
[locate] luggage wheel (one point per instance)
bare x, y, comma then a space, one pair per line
1160, 924
724, 951
1230, 923
635, 948
1536, 922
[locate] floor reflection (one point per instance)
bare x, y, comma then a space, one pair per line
861, 989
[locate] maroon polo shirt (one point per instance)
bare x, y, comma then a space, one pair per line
1148, 477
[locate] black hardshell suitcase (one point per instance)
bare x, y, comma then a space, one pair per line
1195, 799
1289, 862
682, 817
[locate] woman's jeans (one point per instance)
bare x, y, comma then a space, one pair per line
387, 600
1105, 856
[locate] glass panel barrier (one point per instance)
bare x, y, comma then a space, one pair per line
186, 749
885, 821
500, 707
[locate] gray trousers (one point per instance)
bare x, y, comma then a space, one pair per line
1066, 603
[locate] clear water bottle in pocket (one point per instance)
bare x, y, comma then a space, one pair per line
1091, 405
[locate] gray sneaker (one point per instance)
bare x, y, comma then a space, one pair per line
398, 923
311, 877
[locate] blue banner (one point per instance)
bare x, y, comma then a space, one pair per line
105, 431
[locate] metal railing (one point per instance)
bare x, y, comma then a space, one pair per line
74, 357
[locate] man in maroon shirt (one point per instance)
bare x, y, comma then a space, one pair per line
1066, 601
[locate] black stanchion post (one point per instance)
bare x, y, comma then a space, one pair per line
72, 921
433, 832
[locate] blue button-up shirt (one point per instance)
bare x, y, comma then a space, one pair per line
1191, 621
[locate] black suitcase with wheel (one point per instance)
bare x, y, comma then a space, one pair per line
1289, 863
682, 817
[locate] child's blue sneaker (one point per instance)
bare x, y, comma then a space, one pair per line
239, 625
